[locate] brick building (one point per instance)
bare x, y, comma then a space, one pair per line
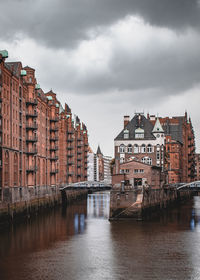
36, 133
136, 173
179, 147
163, 142
197, 166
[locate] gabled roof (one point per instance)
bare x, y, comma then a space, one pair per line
139, 122
14, 67
158, 127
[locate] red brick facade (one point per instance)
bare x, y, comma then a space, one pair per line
40, 143
136, 173
180, 149
197, 166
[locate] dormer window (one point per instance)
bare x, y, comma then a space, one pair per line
139, 133
126, 134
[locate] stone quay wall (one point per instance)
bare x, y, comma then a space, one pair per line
136, 203
23, 202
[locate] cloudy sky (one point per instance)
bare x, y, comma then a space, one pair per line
110, 58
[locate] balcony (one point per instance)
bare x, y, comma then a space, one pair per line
31, 169
53, 157
70, 162
69, 155
32, 126
31, 151
70, 173
32, 114
54, 171
70, 132
79, 145
79, 139
53, 148
54, 119
31, 138
53, 129
70, 140
70, 148
79, 152
31, 101
79, 165
54, 138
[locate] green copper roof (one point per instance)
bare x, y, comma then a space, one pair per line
57, 105
4, 53
37, 86
23, 72
49, 97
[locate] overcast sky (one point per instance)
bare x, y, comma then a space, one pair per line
110, 58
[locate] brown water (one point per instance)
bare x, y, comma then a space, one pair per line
80, 243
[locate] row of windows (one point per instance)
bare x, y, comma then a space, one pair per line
146, 160
127, 171
139, 149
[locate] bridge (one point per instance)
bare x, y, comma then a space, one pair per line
193, 186
89, 185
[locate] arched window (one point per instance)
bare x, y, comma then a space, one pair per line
15, 169
149, 148
144, 160
44, 172
38, 171
143, 148
129, 148
6, 170
158, 147
136, 149
122, 149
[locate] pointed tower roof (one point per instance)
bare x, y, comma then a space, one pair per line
99, 151
158, 127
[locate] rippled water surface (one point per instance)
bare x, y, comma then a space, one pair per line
80, 243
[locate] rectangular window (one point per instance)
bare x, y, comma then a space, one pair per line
136, 171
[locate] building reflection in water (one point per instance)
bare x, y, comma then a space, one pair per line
98, 205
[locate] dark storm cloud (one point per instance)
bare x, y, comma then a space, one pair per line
63, 23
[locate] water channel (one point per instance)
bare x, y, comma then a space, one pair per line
80, 243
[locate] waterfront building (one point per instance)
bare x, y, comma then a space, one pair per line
40, 142
180, 149
197, 166
136, 173
140, 140
163, 142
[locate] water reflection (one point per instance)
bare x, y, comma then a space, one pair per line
98, 205
80, 243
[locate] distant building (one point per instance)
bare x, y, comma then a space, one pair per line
163, 142
99, 166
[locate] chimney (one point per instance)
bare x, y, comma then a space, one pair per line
126, 120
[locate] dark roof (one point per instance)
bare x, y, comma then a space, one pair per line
77, 120
175, 130
14, 67
138, 122
67, 108
99, 151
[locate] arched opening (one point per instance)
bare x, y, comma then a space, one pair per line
143, 148
15, 169
122, 149
136, 149
6, 170
129, 148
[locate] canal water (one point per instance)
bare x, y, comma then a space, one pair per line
80, 243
